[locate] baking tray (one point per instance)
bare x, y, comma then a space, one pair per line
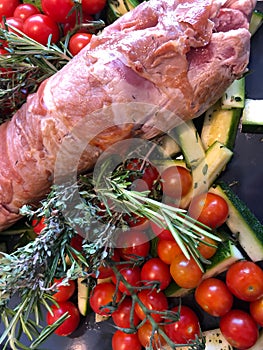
245, 172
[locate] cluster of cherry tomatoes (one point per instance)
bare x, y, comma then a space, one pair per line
55, 20
133, 281
221, 299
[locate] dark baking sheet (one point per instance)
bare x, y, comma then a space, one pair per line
245, 171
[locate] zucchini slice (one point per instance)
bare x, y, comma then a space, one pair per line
117, 8
234, 96
83, 296
216, 158
255, 21
190, 143
214, 340
221, 125
226, 254
252, 117
242, 222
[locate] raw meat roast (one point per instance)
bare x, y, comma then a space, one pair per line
162, 63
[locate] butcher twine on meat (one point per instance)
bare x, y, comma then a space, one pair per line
177, 56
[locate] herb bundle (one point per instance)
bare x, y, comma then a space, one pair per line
29, 271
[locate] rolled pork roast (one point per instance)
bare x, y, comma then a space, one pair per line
164, 62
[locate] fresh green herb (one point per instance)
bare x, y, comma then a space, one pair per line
29, 271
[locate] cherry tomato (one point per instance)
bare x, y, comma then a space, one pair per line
70, 324
38, 225
239, 329
186, 273
133, 244
105, 270
93, 6
3, 52
147, 174
210, 209
256, 310
186, 328
156, 271
39, 27
103, 294
23, 11
245, 280
167, 250
58, 10
207, 250
137, 222
125, 341
76, 242
122, 316
161, 232
65, 292
78, 41
153, 301
17, 23
176, 181
214, 297
7, 8
149, 338
132, 275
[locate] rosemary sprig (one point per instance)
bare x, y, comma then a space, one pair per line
179, 223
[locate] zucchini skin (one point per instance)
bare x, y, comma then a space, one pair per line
242, 222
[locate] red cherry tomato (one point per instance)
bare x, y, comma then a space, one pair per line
149, 338
105, 270
176, 181
132, 275
101, 295
3, 52
256, 311
210, 209
156, 271
209, 249
93, 7
167, 250
78, 41
39, 27
59, 10
70, 324
185, 272
153, 301
23, 11
133, 244
146, 175
245, 280
7, 8
125, 341
239, 329
122, 316
136, 222
214, 297
161, 232
187, 328
14, 22
76, 242
38, 225
65, 292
